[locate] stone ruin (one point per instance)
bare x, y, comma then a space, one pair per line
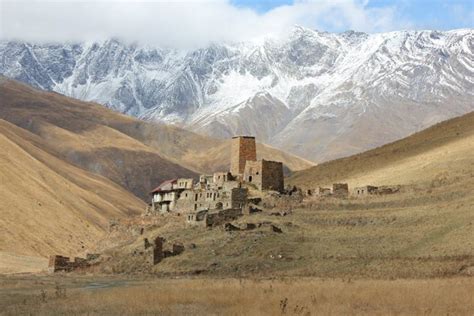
229, 227
373, 190
212, 218
159, 252
341, 190
338, 190
59, 263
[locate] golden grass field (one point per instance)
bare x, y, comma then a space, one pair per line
207, 296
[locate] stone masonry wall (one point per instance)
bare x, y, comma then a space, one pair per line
60, 263
243, 148
211, 199
272, 175
340, 189
253, 173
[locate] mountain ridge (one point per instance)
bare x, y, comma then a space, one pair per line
336, 86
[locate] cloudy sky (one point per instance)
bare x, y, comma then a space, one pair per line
195, 23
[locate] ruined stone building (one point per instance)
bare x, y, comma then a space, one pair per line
338, 190
264, 174
365, 190
373, 190
321, 191
223, 194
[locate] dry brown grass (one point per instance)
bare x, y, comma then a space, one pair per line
425, 232
13, 263
443, 150
48, 205
303, 296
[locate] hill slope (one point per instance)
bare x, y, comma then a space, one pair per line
48, 205
444, 150
425, 230
130, 152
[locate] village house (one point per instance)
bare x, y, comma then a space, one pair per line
164, 197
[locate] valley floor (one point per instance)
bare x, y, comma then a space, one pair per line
78, 295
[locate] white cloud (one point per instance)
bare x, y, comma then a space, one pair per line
181, 23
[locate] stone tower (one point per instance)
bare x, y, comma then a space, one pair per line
243, 148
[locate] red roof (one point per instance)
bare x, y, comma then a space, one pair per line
165, 186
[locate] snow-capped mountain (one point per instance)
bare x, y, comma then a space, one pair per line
320, 95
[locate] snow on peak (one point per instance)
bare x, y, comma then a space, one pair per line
305, 79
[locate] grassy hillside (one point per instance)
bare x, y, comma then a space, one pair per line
424, 231
422, 234
443, 151
135, 154
48, 205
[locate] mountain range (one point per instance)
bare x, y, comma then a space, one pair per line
315, 94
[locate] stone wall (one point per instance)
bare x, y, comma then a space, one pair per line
196, 218
60, 263
321, 191
365, 190
272, 175
253, 173
184, 183
220, 217
265, 174
243, 149
340, 189
219, 178
210, 199
373, 190
158, 250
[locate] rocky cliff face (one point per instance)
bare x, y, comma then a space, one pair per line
319, 95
